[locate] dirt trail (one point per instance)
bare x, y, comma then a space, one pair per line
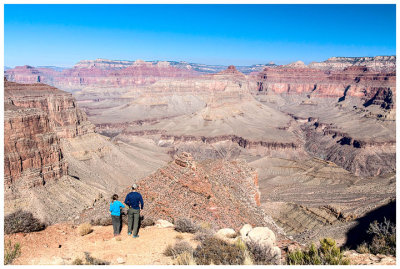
61, 244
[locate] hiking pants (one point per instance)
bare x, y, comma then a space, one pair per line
133, 220
116, 222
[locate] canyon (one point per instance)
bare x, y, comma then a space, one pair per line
304, 149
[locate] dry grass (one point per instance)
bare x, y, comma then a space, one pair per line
179, 248
186, 258
179, 237
77, 261
84, 229
94, 261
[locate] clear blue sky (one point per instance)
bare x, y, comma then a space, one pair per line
61, 35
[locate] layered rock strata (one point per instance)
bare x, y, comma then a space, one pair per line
370, 86
54, 162
36, 117
377, 63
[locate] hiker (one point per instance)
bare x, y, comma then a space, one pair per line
132, 200
115, 209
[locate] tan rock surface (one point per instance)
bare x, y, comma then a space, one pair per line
61, 244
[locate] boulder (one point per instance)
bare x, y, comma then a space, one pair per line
226, 233
262, 235
245, 230
163, 224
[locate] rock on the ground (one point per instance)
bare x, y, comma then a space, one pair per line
120, 260
163, 224
245, 230
262, 235
226, 233
368, 258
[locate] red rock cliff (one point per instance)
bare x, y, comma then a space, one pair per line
36, 116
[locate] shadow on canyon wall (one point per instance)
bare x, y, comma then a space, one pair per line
358, 234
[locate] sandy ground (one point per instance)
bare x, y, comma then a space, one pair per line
61, 244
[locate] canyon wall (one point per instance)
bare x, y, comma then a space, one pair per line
36, 117
377, 63
357, 81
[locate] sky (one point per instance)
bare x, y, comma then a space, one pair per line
62, 35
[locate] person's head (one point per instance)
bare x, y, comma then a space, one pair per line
134, 187
115, 197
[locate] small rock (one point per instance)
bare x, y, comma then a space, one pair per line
120, 260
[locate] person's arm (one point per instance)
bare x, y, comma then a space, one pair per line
141, 201
126, 200
122, 205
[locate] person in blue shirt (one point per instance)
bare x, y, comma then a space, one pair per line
115, 209
134, 201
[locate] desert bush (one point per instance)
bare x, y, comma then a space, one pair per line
179, 248
216, 251
363, 248
77, 261
261, 254
186, 226
11, 251
327, 254
84, 229
383, 237
101, 222
179, 237
146, 222
94, 261
202, 235
22, 221
186, 258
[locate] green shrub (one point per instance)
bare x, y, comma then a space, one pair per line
11, 252
327, 254
179, 248
186, 226
383, 237
22, 221
216, 251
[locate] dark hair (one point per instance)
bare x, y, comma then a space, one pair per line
114, 197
